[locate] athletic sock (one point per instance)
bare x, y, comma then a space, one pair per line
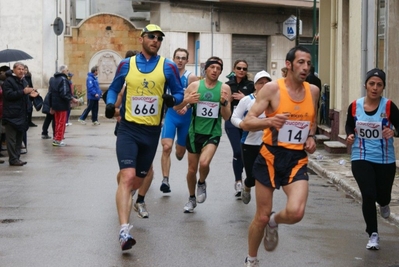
272, 221
124, 227
251, 259
140, 199
200, 183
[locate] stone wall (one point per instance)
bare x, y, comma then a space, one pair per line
102, 39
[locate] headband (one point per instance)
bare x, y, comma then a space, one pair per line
210, 62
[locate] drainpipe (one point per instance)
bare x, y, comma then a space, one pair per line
211, 30
315, 62
197, 46
364, 37
56, 40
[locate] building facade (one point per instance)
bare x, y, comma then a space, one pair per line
356, 36
100, 32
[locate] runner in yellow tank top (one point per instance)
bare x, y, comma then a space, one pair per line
289, 128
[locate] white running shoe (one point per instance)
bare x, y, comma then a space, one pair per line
385, 211
82, 121
125, 239
190, 205
374, 242
238, 187
201, 193
141, 210
95, 123
271, 237
254, 263
58, 143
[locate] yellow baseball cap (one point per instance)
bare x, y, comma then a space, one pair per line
152, 28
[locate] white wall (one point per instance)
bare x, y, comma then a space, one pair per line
26, 25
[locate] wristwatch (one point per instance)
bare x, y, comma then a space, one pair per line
225, 103
313, 136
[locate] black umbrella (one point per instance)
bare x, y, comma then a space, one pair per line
10, 55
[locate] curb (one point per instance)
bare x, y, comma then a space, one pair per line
342, 184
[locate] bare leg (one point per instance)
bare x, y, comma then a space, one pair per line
146, 182
297, 195
193, 160
180, 151
207, 154
127, 182
264, 203
165, 159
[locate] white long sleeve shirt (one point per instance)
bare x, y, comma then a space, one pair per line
248, 137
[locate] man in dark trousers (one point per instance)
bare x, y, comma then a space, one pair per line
16, 92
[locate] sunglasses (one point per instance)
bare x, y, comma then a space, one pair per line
153, 36
241, 68
181, 58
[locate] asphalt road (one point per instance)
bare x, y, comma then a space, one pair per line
59, 210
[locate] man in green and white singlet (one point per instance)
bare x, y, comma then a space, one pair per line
205, 127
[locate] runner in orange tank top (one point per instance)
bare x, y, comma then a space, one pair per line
291, 107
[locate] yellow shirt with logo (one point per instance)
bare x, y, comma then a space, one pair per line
143, 103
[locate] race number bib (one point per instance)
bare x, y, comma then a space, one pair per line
144, 105
207, 109
294, 132
369, 130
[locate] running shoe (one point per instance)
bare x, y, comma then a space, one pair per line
125, 239
374, 242
201, 193
82, 121
165, 187
238, 187
95, 123
254, 263
58, 143
141, 210
385, 211
190, 205
271, 237
245, 194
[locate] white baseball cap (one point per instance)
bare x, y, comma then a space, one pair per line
262, 74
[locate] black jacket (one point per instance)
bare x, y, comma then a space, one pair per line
46, 104
312, 79
60, 92
15, 102
245, 86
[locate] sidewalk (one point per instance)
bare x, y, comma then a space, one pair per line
337, 169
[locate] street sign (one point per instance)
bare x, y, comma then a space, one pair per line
289, 28
58, 26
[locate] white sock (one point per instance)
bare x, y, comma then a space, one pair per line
272, 222
124, 227
251, 259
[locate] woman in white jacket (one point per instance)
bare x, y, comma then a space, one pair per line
251, 141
